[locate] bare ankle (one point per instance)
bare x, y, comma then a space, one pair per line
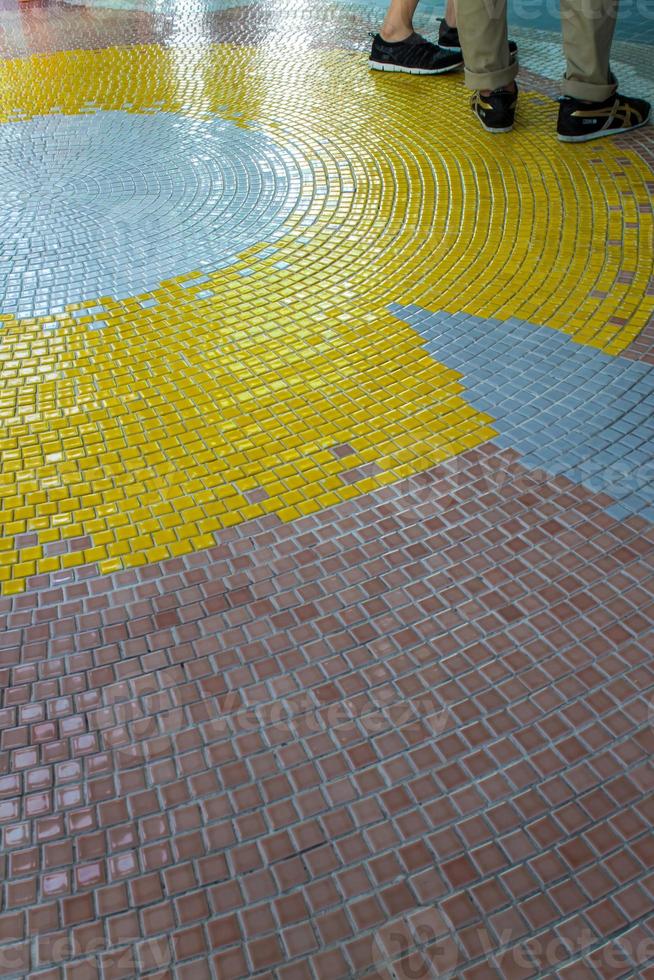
391, 31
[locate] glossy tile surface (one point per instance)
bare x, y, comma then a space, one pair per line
196, 305
327, 495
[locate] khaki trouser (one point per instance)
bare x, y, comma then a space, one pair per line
587, 27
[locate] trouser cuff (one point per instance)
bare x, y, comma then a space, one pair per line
491, 79
588, 91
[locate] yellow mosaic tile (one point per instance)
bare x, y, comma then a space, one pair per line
136, 432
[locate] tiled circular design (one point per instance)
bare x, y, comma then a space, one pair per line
112, 203
136, 426
407, 736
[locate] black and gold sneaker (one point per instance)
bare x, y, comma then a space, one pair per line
448, 39
581, 121
415, 55
496, 112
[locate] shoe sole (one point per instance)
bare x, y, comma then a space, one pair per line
505, 129
494, 129
382, 66
562, 138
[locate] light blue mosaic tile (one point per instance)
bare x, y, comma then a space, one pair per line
112, 204
598, 434
192, 283
88, 311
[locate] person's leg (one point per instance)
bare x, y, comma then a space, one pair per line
485, 43
398, 22
448, 36
592, 107
490, 64
587, 27
398, 48
450, 13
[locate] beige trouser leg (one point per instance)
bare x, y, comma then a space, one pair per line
485, 43
588, 27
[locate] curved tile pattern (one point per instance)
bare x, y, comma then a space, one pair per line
325, 509
267, 247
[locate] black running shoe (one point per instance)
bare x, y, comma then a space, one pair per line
415, 55
580, 121
448, 39
496, 112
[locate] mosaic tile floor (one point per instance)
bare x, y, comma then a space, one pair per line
327, 481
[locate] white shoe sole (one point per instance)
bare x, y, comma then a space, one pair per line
494, 129
382, 66
600, 133
489, 129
